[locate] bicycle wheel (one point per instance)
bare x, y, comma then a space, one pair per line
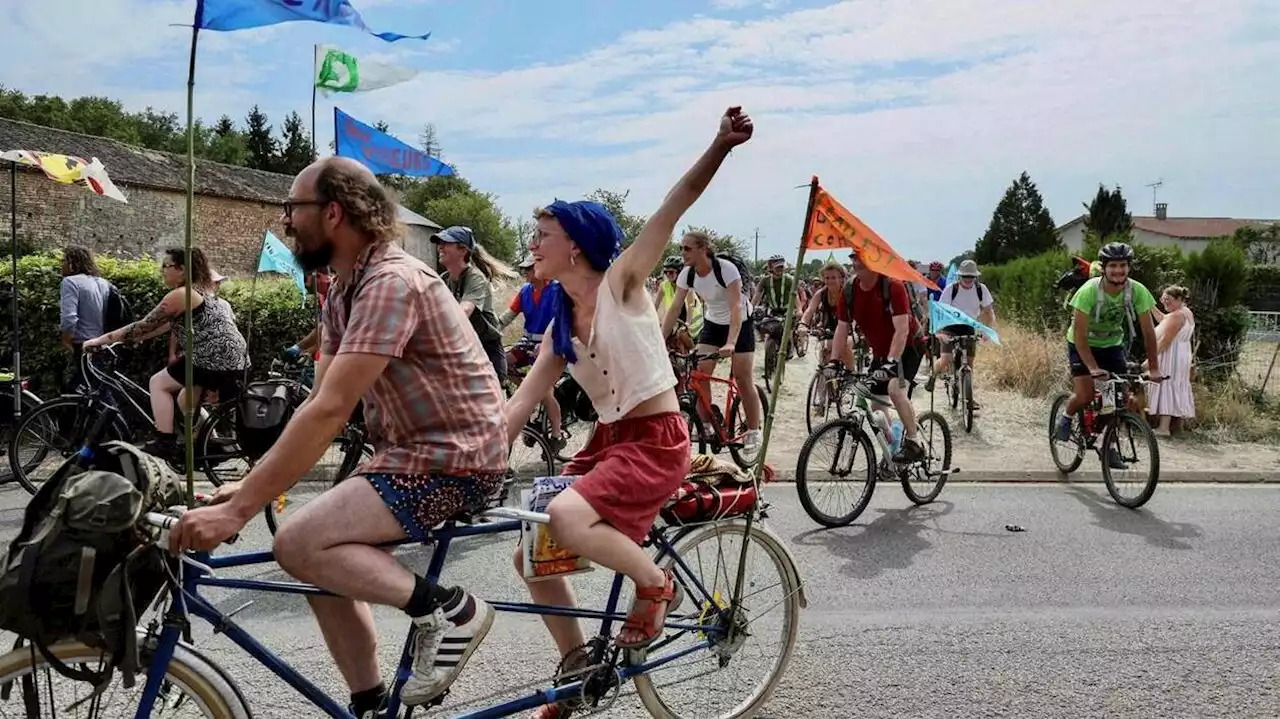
812, 405
192, 686
1064, 461
1132, 427
338, 462
770, 360
59, 428
832, 470
22, 455
953, 390
738, 426
697, 437
923, 481
966, 391
713, 553
530, 457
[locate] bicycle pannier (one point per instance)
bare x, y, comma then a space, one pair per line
264, 409
79, 569
712, 490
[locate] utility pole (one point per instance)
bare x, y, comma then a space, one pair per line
757, 257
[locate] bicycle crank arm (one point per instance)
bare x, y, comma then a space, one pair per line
945, 472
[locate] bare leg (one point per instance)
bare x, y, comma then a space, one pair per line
328, 544
577, 527
704, 386
162, 389
743, 368
556, 592
902, 403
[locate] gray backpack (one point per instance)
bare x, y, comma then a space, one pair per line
78, 569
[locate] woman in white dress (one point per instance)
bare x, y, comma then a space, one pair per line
1173, 398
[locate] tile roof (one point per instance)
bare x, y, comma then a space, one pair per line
129, 165
1194, 227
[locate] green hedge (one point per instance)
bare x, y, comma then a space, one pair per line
279, 315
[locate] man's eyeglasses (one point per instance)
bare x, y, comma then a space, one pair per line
291, 205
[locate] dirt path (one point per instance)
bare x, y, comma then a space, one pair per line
1008, 436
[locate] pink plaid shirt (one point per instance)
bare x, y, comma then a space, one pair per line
438, 407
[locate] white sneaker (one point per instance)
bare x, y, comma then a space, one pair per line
751, 443
441, 649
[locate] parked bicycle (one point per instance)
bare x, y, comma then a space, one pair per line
720, 610
1109, 417
24, 456
728, 425
957, 382
859, 434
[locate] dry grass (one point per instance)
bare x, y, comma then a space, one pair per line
1034, 365
1228, 411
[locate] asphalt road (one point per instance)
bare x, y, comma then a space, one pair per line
936, 611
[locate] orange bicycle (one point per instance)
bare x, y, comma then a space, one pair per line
696, 402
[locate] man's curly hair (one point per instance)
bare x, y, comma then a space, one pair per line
79, 261
370, 207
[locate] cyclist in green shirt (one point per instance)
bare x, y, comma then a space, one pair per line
1106, 310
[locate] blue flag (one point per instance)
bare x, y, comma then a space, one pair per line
380, 152
276, 257
941, 315
953, 273
229, 15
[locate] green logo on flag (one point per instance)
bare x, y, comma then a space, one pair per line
339, 72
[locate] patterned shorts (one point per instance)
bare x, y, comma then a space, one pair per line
422, 502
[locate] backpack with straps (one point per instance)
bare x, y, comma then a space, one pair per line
955, 288
1130, 315
743, 272
116, 312
79, 567
913, 302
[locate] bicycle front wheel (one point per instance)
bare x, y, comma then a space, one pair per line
923, 481
1122, 452
966, 391
192, 686
830, 473
55, 430
1066, 460
21, 455
766, 616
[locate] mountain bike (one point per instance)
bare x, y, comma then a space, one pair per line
693, 387
577, 415
957, 382
1109, 417
24, 456
859, 434
719, 611
770, 327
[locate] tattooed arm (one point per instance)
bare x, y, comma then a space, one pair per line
156, 321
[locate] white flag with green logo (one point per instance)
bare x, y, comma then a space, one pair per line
339, 71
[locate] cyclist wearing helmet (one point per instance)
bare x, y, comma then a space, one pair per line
1106, 310
691, 312
775, 288
935, 274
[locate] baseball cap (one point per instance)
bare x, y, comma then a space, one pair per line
456, 235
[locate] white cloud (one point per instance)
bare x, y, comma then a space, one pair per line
915, 113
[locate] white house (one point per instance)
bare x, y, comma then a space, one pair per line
1192, 234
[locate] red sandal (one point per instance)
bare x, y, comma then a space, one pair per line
651, 620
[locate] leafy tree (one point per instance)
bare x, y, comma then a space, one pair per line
159, 130
296, 153
1109, 215
616, 203
1261, 245
263, 148
1021, 226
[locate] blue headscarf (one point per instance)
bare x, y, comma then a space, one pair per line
593, 229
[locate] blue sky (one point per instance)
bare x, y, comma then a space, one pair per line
916, 114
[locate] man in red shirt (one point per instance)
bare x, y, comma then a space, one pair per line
893, 335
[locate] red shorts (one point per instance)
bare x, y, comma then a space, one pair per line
631, 468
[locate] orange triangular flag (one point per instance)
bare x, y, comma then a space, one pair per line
833, 227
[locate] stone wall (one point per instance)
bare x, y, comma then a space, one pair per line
52, 215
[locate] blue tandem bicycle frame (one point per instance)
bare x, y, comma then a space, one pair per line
196, 576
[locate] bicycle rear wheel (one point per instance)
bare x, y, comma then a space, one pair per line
1119, 443
819, 469
768, 613
192, 686
22, 455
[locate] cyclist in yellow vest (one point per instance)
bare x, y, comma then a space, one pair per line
666, 295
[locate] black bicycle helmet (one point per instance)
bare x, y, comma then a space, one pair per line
1115, 252
672, 263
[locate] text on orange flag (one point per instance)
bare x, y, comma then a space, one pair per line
833, 227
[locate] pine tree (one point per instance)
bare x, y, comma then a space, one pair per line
263, 148
225, 126
1109, 215
296, 152
1021, 226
